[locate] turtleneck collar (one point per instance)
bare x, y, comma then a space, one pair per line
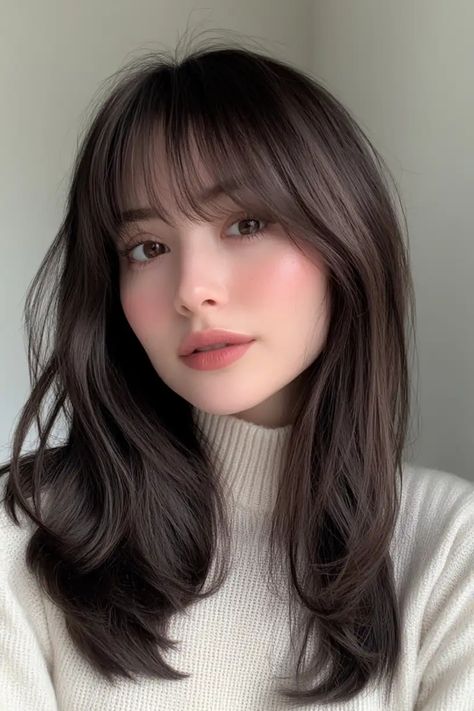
249, 457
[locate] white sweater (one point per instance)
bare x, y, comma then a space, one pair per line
234, 643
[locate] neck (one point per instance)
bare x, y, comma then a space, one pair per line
248, 456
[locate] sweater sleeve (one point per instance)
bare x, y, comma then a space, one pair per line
446, 655
25, 647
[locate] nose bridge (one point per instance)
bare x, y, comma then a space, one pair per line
201, 266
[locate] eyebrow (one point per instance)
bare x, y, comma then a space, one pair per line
141, 214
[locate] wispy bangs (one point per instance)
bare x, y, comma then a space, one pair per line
206, 147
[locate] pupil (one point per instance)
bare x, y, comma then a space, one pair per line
249, 220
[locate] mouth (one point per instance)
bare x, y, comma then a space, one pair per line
216, 358
217, 346
211, 339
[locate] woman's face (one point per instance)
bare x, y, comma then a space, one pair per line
202, 275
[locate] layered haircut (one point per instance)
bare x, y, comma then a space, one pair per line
128, 513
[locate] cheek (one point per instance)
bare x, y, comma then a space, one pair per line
293, 291
288, 282
142, 309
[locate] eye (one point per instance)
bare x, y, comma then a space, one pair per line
249, 224
148, 247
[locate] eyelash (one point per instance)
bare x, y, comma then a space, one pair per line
140, 265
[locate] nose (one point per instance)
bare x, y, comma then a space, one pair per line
202, 277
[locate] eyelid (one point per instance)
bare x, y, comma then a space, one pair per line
139, 238
233, 216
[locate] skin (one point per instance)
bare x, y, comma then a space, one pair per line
205, 276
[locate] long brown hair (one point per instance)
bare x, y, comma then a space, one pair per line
135, 515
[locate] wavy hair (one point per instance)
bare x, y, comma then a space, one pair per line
134, 515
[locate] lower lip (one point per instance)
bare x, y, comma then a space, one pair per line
219, 358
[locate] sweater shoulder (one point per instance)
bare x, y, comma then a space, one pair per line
18, 584
13, 535
435, 497
16, 579
436, 515
27, 652
433, 554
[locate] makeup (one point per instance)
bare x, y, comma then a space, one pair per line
217, 358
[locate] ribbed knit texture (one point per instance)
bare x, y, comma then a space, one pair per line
235, 643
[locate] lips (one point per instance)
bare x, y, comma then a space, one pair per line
211, 337
211, 348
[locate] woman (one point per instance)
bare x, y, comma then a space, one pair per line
219, 522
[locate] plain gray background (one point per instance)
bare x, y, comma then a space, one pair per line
402, 67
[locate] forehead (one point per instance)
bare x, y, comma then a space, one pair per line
161, 160
174, 182
141, 210
152, 188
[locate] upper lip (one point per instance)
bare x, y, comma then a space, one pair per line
201, 339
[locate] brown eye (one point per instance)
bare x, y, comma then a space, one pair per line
149, 248
250, 226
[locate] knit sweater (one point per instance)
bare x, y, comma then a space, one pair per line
234, 643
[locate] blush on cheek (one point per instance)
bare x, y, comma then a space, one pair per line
142, 313
286, 275
293, 285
